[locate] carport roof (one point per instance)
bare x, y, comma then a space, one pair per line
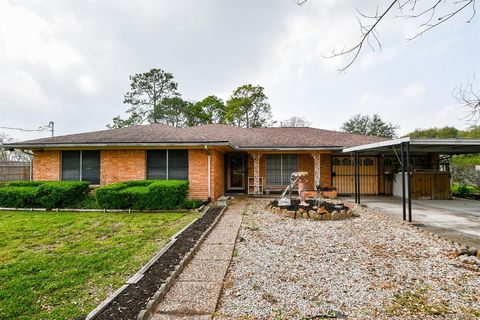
421, 146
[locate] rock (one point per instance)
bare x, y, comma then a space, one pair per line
322, 210
290, 214
306, 215
469, 260
472, 251
327, 216
301, 210
335, 216
462, 252
317, 216
478, 254
349, 213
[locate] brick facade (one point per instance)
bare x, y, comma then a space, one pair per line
198, 174
122, 165
46, 165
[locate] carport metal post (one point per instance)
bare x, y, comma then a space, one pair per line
402, 159
409, 184
355, 175
357, 162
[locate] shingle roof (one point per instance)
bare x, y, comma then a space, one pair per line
242, 138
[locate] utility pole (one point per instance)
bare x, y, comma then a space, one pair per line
51, 124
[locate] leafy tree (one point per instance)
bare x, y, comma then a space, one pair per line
445, 133
173, 111
370, 126
295, 122
209, 110
248, 107
147, 91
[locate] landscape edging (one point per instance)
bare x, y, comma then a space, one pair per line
139, 274
161, 293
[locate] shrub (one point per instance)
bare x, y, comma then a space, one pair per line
463, 191
17, 197
61, 194
26, 183
151, 194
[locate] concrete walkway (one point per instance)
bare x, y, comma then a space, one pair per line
196, 292
456, 219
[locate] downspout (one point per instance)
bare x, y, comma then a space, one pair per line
208, 173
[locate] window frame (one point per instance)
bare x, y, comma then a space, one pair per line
282, 182
80, 166
167, 165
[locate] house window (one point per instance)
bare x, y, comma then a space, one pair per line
368, 162
346, 162
81, 165
335, 162
280, 168
167, 164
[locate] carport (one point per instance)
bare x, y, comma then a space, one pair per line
403, 149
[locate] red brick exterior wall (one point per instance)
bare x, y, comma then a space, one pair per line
198, 174
46, 165
122, 165
218, 173
325, 170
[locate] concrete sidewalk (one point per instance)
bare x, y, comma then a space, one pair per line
456, 219
195, 294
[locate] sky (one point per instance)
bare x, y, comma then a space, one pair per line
70, 61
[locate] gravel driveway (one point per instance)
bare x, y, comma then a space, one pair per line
372, 267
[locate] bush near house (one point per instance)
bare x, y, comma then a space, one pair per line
43, 194
145, 194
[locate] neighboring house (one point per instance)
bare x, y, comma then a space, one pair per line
214, 158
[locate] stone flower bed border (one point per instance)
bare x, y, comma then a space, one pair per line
329, 210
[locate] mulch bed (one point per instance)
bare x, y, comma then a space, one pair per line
295, 205
134, 298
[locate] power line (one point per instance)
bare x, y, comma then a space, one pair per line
50, 126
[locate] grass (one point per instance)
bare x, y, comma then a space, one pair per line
471, 189
414, 303
61, 265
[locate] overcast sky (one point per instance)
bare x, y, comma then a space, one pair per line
69, 61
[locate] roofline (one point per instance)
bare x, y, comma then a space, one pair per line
288, 148
386, 143
113, 144
415, 141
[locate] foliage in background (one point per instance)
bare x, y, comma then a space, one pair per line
295, 122
370, 126
147, 92
6, 155
248, 107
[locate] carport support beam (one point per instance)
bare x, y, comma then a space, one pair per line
358, 174
355, 175
409, 184
402, 159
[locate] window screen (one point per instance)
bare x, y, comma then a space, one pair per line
178, 164
274, 169
289, 165
280, 168
70, 165
91, 166
156, 164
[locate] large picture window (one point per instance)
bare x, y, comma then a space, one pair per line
81, 165
167, 164
280, 168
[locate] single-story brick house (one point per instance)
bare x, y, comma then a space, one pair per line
214, 158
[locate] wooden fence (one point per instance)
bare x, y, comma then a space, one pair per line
14, 171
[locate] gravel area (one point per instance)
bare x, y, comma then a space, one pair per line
372, 267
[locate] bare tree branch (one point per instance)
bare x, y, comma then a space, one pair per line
369, 23
469, 96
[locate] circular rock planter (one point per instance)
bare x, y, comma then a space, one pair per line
325, 211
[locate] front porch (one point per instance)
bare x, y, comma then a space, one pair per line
258, 173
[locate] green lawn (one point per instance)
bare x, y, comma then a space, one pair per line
61, 265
